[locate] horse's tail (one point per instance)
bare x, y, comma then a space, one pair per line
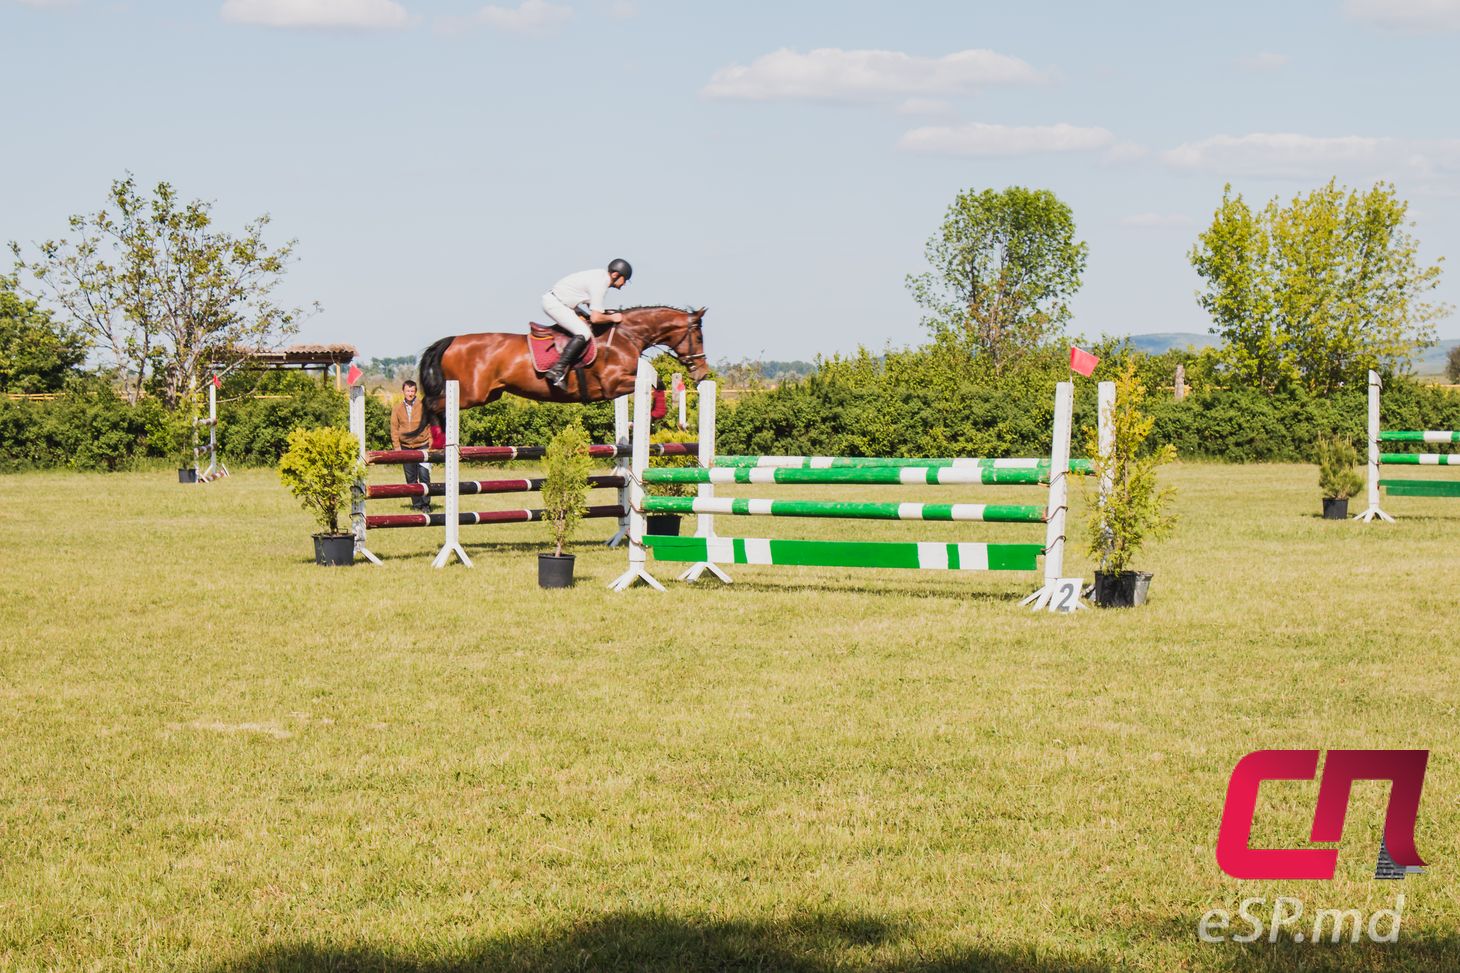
432, 380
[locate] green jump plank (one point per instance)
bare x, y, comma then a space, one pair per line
848, 554
1422, 488
990, 513
1420, 459
1419, 436
1082, 466
869, 475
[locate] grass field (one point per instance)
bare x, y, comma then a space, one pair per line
218, 757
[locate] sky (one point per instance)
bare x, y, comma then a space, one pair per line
441, 164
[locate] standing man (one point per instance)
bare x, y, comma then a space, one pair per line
404, 420
560, 303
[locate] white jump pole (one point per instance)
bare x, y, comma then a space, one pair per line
1375, 385
679, 397
705, 523
1059, 484
1105, 442
622, 465
215, 470
638, 555
212, 429
453, 479
357, 491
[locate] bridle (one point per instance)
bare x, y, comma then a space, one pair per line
697, 329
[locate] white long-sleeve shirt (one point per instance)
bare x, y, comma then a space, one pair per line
585, 287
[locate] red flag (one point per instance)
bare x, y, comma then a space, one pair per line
353, 375
217, 382
1082, 362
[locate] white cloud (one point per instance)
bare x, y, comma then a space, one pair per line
1406, 14
832, 74
1286, 154
372, 14
1263, 62
975, 138
529, 17
1157, 221
623, 9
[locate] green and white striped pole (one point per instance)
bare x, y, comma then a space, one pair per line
1420, 459
850, 510
862, 462
927, 556
888, 475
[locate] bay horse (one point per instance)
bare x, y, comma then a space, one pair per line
492, 363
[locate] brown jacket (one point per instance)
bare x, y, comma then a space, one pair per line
400, 427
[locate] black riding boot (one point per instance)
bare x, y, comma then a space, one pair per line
557, 376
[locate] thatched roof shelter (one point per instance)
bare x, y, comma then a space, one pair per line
294, 356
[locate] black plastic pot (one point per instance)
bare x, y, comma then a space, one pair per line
334, 550
665, 525
555, 570
187, 475
1125, 589
1335, 508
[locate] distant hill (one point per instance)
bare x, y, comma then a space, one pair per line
1429, 364
1164, 341
1432, 362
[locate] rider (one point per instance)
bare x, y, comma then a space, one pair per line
560, 303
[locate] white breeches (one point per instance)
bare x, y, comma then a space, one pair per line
565, 317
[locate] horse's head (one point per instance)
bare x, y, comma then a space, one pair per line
682, 332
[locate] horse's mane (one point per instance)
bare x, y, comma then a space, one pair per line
658, 307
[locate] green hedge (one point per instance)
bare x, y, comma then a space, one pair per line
932, 401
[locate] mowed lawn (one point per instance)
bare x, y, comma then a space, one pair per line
215, 756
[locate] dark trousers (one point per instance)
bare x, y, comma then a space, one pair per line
419, 473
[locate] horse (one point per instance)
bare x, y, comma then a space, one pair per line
492, 363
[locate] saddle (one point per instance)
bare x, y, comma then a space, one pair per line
546, 347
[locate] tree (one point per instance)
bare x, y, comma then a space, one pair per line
36, 353
1314, 294
160, 290
1004, 265
1452, 365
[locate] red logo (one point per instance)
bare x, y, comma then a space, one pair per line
1404, 769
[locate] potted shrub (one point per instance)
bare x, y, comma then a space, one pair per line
1135, 509
1337, 476
668, 524
564, 498
320, 467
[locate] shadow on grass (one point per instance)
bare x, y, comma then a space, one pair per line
813, 943
651, 942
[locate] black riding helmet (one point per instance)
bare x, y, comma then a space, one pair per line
621, 267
